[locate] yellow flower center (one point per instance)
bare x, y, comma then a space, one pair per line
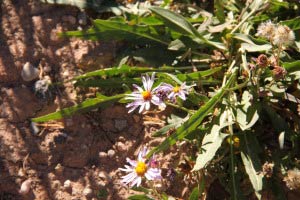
141, 168
146, 95
176, 89
235, 141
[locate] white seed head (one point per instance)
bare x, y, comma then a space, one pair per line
283, 35
266, 29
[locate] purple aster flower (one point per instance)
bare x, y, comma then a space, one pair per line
174, 91
138, 169
143, 97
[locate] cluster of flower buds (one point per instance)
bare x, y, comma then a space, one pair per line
143, 97
262, 61
278, 34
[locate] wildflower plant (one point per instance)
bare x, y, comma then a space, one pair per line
233, 74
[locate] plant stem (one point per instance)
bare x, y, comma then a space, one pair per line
232, 162
179, 107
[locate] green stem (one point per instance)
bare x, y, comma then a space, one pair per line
232, 163
179, 107
244, 19
239, 86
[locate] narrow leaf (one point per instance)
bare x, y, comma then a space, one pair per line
195, 194
292, 66
175, 21
86, 105
254, 175
255, 48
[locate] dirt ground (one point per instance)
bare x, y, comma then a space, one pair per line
74, 158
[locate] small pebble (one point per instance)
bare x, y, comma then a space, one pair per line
59, 168
29, 72
67, 184
66, 74
111, 153
56, 184
121, 146
25, 187
47, 69
102, 154
21, 172
104, 175
87, 191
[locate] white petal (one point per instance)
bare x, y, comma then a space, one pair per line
182, 95
147, 105
142, 107
131, 162
135, 181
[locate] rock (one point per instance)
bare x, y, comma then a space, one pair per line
111, 153
25, 187
21, 172
34, 129
120, 124
121, 146
29, 72
102, 154
103, 175
87, 191
67, 184
82, 18
66, 74
56, 184
47, 68
59, 168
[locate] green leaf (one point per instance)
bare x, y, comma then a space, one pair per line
243, 37
195, 194
219, 10
292, 66
210, 144
135, 31
128, 70
255, 48
173, 122
212, 141
252, 169
251, 162
195, 76
140, 197
107, 83
86, 105
194, 121
178, 23
175, 21
246, 115
294, 24
116, 30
